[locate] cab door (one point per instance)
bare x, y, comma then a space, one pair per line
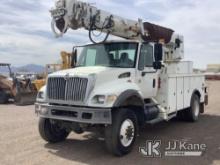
147, 75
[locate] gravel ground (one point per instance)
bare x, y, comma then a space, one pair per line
21, 144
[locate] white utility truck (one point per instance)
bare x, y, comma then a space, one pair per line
118, 86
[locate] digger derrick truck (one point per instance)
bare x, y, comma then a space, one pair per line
118, 86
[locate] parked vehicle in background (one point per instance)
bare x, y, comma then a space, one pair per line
19, 88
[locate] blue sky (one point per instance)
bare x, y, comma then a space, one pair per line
26, 37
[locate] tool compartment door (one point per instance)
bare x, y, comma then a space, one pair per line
180, 93
187, 92
172, 94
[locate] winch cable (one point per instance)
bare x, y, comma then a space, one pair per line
93, 27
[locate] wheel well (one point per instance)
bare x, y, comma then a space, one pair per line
135, 104
132, 101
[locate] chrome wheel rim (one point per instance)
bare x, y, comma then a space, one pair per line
196, 108
127, 132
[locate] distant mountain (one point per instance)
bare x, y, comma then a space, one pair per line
26, 68
29, 68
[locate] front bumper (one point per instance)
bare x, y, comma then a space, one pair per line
74, 114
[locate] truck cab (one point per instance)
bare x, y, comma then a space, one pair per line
118, 86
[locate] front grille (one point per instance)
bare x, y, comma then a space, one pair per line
71, 89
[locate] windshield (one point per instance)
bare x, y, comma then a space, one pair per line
121, 55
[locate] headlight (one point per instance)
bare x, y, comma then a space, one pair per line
40, 95
102, 99
98, 99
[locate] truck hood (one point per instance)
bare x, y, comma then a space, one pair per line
103, 77
86, 71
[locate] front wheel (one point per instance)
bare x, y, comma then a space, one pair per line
121, 135
51, 132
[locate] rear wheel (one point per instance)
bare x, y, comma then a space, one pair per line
121, 135
192, 113
51, 132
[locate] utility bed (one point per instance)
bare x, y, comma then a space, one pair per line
176, 91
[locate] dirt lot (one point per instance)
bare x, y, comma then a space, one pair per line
20, 142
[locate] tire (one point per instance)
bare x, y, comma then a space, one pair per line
3, 97
192, 113
51, 132
116, 143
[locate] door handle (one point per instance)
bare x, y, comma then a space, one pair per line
154, 83
143, 74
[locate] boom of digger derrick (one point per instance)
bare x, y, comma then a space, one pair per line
75, 14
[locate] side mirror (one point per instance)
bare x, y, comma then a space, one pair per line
178, 42
74, 58
158, 52
157, 65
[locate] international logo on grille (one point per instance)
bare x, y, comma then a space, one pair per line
67, 76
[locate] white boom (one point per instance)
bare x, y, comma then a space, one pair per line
76, 14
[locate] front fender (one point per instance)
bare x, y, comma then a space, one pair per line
126, 95
120, 88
